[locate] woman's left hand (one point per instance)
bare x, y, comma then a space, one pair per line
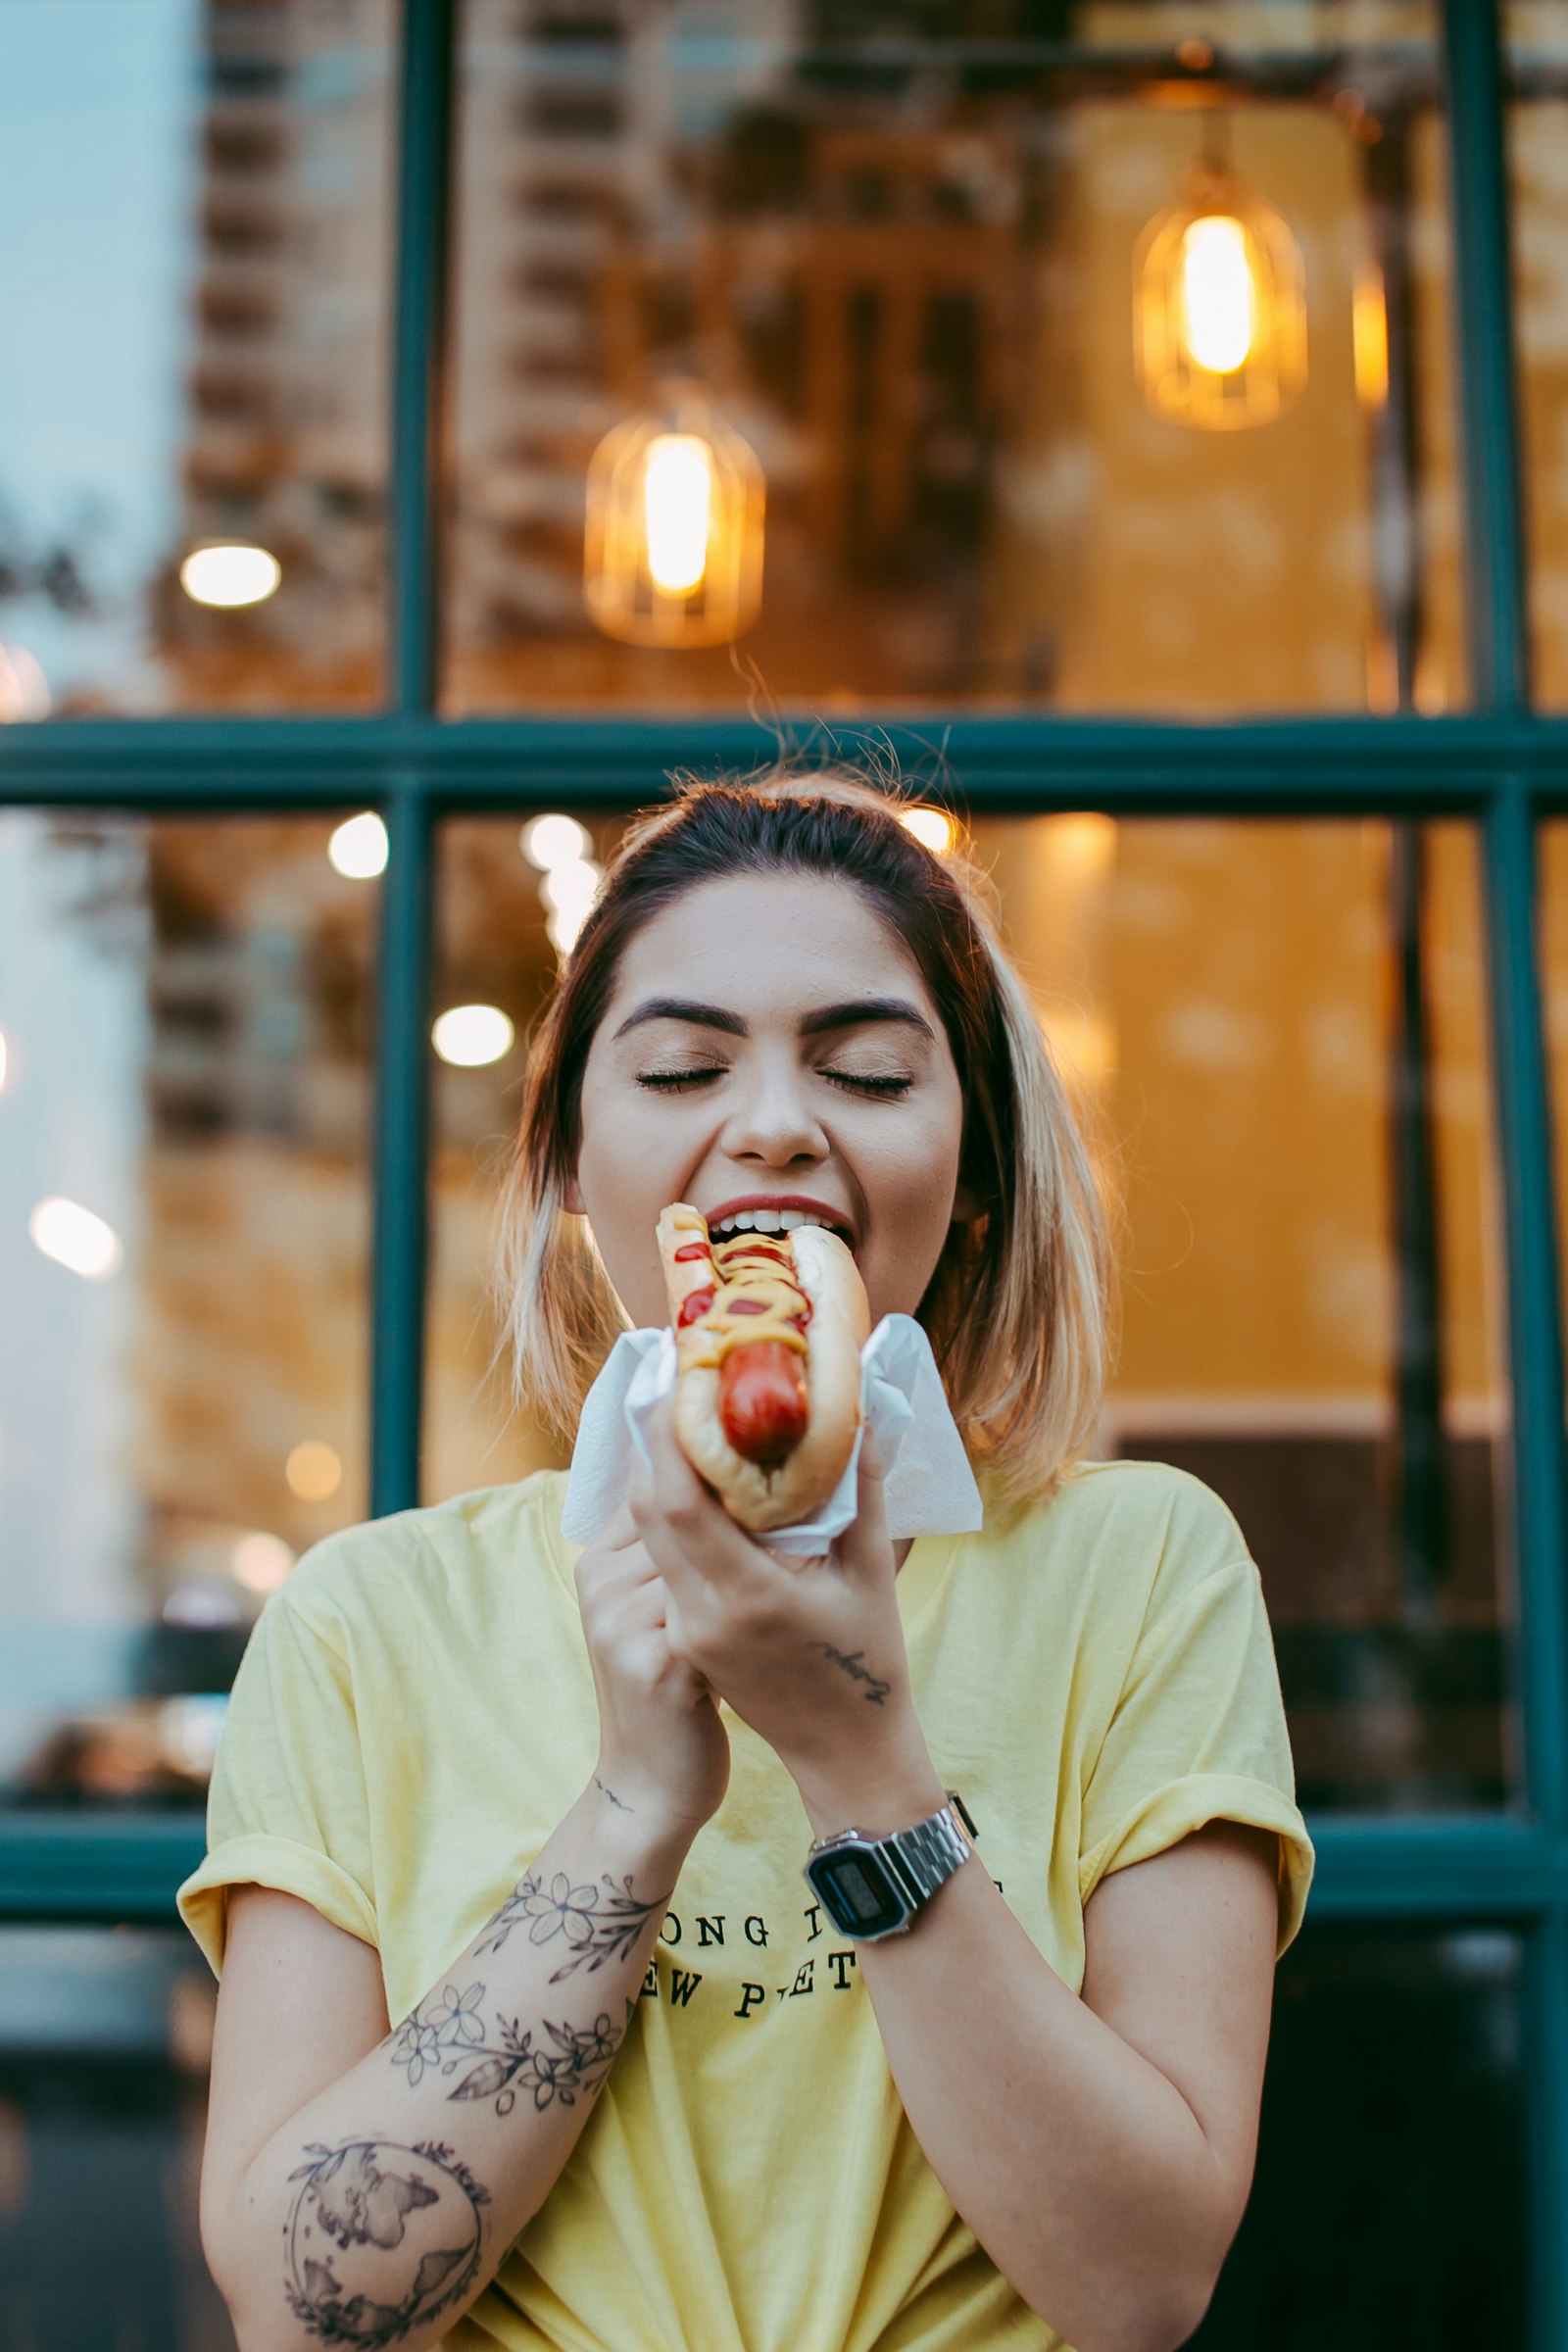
809, 1652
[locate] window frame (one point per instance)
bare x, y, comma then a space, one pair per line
1499, 764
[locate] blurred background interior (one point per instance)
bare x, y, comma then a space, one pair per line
834, 365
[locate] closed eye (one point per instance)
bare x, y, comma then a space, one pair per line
888, 1086
671, 1082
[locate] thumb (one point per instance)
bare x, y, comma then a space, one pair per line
866, 1548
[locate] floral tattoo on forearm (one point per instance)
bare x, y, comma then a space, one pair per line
445, 2033
596, 1926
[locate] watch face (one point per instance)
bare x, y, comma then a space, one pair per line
856, 1892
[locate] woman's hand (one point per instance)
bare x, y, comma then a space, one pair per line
810, 1652
662, 1751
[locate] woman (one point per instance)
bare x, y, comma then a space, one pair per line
552, 1812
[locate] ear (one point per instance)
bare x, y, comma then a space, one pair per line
571, 1198
966, 1204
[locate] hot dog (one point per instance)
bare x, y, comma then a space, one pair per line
768, 1333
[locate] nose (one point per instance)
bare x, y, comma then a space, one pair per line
771, 1120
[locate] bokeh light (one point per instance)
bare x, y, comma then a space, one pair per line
358, 849
553, 840
76, 1238
230, 577
314, 1471
470, 1035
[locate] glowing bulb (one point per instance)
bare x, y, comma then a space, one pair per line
314, 1471
933, 827
227, 577
261, 1562
1369, 337
5, 1060
572, 885
677, 496
357, 848
470, 1035
551, 841
1219, 302
75, 1239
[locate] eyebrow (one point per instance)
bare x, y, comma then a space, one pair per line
848, 1015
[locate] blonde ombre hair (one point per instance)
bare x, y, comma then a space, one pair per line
1017, 1307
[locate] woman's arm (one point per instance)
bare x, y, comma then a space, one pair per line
383, 2206
1099, 2148
368, 2194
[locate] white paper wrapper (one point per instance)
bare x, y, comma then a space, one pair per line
930, 1486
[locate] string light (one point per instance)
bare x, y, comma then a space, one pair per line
75, 1239
230, 577
358, 849
1369, 337
553, 840
469, 1036
934, 827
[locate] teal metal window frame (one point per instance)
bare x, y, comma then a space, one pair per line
1499, 764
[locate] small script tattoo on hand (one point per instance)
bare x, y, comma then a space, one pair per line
618, 1802
596, 1926
445, 2033
854, 1663
379, 2238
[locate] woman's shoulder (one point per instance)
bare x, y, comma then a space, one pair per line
435, 1554
1147, 1529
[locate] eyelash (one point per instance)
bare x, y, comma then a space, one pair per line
676, 1082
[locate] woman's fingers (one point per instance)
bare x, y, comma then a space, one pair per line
866, 1548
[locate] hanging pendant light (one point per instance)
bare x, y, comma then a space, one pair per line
1219, 309
672, 554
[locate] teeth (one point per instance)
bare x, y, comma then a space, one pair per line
768, 1220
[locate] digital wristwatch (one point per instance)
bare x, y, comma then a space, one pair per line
876, 1886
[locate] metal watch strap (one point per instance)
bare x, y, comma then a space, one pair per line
924, 1857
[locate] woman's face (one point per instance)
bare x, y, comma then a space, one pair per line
770, 1045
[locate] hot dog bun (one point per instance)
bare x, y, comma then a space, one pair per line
767, 1494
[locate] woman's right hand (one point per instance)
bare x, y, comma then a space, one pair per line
663, 1749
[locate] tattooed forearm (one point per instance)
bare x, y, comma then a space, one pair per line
380, 2238
394, 2192
445, 2033
854, 1663
597, 1926
618, 1802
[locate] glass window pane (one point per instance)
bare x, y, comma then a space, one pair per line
1389, 2203
202, 266
184, 1008
105, 2045
933, 272
1537, 32
1277, 1032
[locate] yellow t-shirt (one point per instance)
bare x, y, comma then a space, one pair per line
415, 1712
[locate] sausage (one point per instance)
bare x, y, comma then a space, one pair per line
762, 1402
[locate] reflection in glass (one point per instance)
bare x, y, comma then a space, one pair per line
1280, 1030
182, 1247
1388, 2207
1536, 33
105, 2045
900, 259
192, 424
1278, 1035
